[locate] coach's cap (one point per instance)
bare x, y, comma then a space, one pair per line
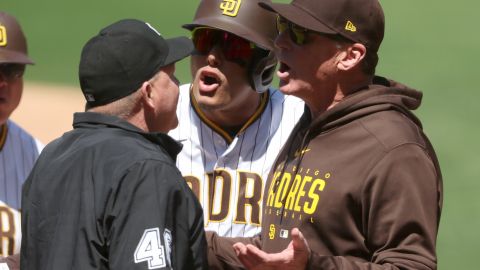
13, 45
116, 62
361, 21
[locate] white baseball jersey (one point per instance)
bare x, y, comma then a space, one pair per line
18, 153
228, 174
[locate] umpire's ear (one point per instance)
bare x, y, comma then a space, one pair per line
147, 94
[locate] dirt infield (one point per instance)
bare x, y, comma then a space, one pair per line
46, 111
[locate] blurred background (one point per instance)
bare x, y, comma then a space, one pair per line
428, 45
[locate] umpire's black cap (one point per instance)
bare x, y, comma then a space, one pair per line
116, 62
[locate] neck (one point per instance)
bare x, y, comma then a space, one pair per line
233, 118
140, 122
342, 90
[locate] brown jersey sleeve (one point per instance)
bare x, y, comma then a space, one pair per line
13, 261
221, 254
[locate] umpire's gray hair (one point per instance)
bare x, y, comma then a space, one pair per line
123, 108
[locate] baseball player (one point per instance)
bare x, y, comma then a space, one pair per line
18, 149
232, 123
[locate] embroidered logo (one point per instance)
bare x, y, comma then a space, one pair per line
230, 7
350, 27
89, 97
299, 153
3, 36
271, 233
284, 233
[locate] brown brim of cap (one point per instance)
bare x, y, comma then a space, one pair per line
8, 56
178, 48
298, 16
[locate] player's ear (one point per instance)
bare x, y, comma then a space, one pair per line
351, 56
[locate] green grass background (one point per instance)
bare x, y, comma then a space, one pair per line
429, 45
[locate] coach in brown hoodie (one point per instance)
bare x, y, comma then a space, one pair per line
358, 177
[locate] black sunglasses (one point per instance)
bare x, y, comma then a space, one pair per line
299, 34
11, 71
296, 33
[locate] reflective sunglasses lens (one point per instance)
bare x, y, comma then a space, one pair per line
203, 39
282, 25
299, 34
296, 33
236, 48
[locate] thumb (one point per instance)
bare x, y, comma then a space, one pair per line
299, 242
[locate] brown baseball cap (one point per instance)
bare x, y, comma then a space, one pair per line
13, 45
361, 21
242, 18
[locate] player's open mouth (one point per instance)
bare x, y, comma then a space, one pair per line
209, 82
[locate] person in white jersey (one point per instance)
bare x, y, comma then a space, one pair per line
232, 123
18, 149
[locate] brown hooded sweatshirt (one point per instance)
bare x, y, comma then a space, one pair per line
361, 182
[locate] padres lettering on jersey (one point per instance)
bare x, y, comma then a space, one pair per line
250, 187
296, 193
18, 153
10, 230
228, 174
294, 196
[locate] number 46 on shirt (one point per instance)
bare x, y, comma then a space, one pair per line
151, 250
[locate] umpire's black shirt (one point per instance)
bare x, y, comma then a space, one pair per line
107, 195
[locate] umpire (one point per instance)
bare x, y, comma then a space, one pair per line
107, 194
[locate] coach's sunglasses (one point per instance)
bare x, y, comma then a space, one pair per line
296, 33
299, 34
11, 71
234, 48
